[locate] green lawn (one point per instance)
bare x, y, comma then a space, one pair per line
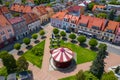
34, 59
83, 54
68, 78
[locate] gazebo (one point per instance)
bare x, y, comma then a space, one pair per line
62, 57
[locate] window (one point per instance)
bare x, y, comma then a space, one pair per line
2, 33
81, 24
4, 38
10, 35
95, 27
9, 30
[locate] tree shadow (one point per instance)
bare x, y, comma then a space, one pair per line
94, 48
20, 52
36, 41
83, 45
74, 41
43, 37
64, 38
29, 47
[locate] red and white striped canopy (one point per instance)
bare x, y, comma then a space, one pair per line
62, 54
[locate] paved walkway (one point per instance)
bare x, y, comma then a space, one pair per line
45, 74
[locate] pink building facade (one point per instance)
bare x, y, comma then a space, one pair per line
6, 32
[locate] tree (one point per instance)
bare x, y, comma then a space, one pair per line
109, 76
1, 1
22, 64
72, 36
7, 4
93, 42
9, 62
102, 46
2, 53
90, 5
81, 39
35, 36
118, 18
55, 31
102, 15
80, 75
23, 1
111, 15
17, 46
42, 33
26, 41
97, 67
63, 34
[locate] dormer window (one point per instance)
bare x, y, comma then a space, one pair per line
84, 25
109, 31
72, 21
95, 27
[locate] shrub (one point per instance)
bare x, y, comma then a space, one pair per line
81, 39
93, 42
72, 36
17, 46
34, 36
55, 31
26, 41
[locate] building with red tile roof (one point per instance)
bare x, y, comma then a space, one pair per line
6, 32
56, 19
19, 26
42, 13
110, 30
32, 21
21, 8
95, 7
6, 12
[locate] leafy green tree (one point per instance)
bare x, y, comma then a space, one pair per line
9, 62
90, 5
93, 42
80, 75
63, 34
26, 41
42, 33
72, 36
109, 76
118, 18
102, 15
7, 4
81, 39
102, 46
22, 64
23, 1
1, 1
2, 53
17, 46
35, 36
111, 15
89, 76
55, 31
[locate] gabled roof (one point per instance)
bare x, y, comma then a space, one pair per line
30, 18
112, 25
74, 8
59, 15
4, 22
15, 20
98, 6
84, 19
4, 9
21, 8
